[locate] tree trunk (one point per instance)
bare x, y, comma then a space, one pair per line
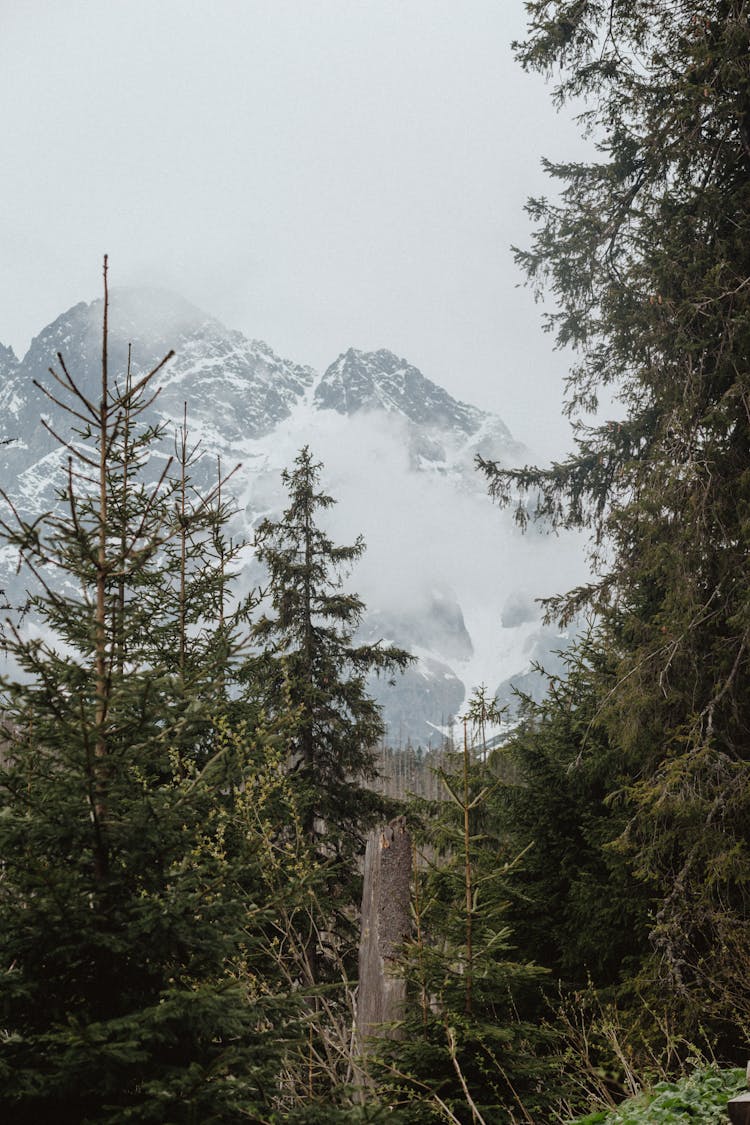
386, 923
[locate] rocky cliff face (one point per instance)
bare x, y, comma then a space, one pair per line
399, 454
381, 381
444, 433
236, 388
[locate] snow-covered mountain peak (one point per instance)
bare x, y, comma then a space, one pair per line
236, 388
8, 358
149, 321
381, 380
445, 432
399, 454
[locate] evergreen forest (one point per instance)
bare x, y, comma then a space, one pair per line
189, 776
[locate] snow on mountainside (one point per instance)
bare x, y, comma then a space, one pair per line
442, 429
381, 381
237, 388
8, 361
398, 454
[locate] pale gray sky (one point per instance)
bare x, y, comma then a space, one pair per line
317, 173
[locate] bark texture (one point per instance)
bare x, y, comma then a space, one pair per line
386, 923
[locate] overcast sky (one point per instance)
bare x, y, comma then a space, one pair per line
317, 173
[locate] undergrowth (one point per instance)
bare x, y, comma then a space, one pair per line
700, 1098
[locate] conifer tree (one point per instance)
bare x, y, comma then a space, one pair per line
136, 980
310, 666
578, 908
310, 663
647, 253
466, 1052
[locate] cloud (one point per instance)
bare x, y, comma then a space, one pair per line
425, 532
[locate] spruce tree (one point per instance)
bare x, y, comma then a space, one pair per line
466, 1050
647, 253
310, 666
137, 980
578, 908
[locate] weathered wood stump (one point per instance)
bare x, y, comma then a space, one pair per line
739, 1109
386, 923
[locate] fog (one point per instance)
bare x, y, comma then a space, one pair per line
425, 532
319, 175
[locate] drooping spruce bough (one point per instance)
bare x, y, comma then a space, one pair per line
647, 256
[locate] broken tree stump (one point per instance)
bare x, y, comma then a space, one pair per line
386, 923
739, 1109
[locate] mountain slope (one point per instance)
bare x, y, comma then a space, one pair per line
441, 428
237, 388
398, 452
381, 381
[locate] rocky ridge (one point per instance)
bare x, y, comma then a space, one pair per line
247, 404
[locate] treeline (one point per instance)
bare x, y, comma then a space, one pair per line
186, 784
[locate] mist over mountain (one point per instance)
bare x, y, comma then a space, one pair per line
446, 574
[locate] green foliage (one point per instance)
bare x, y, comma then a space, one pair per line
140, 977
701, 1097
647, 254
309, 669
463, 1048
577, 908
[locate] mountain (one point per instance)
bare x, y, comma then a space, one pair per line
398, 452
237, 388
442, 430
8, 361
